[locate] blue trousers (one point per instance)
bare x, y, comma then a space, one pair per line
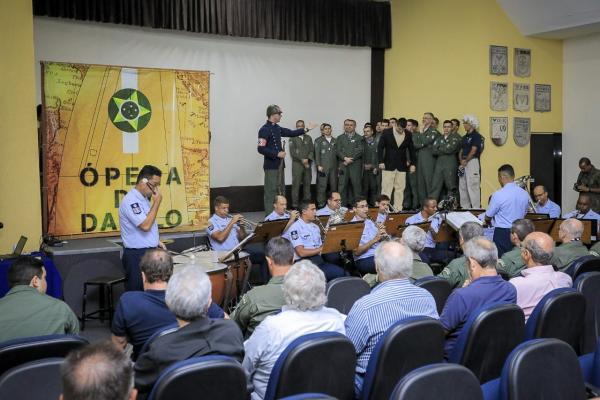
502, 240
365, 265
330, 270
131, 265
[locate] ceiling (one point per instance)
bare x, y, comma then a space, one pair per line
554, 19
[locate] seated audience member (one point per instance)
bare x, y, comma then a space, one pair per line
26, 310
280, 212
139, 314
543, 204
262, 301
188, 296
583, 209
98, 371
369, 240
382, 202
415, 238
511, 262
429, 208
485, 287
457, 271
393, 300
304, 312
539, 277
571, 247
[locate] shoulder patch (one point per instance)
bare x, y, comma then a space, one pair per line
210, 227
294, 235
262, 142
136, 208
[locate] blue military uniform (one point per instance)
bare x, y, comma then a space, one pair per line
269, 144
325, 211
217, 224
550, 208
308, 235
506, 206
591, 214
133, 211
276, 217
365, 263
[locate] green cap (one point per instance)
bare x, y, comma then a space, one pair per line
273, 109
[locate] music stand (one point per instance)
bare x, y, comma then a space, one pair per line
343, 237
394, 221
423, 225
236, 250
266, 230
543, 225
533, 216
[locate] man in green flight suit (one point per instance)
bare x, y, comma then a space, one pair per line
349, 149
511, 264
445, 148
571, 248
370, 166
423, 143
457, 271
327, 165
303, 153
262, 301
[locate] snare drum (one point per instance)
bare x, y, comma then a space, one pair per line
220, 277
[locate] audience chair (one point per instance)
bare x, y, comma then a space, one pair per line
539, 369
588, 284
439, 288
309, 396
161, 332
438, 381
105, 298
208, 377
322, 362
405, 346
487, 338
35, 380
343, 292
582, 265
590, 366
20, 351
560, 314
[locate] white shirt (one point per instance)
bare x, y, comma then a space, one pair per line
133, 211
275, 333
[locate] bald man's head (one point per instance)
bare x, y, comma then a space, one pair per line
539, 247
570, 229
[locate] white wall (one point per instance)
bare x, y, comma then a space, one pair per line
312, 82
581, 108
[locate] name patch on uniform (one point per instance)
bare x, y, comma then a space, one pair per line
210, 227
295, 235
262, 142
136, 208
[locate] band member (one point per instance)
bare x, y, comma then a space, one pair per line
543, 204
583, 209
428, 214
334, 203
383, 203
269, 145
139, 230
306, 239
371, 236
280, 212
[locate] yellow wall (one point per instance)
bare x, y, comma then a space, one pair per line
439, 62
19, 179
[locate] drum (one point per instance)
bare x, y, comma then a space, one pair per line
218, 273
240, 272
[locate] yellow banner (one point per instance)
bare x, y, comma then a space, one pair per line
102, 124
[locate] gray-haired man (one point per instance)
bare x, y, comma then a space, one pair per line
457, 271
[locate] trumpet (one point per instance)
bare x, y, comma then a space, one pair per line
245, 223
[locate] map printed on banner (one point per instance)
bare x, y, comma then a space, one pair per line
102, 124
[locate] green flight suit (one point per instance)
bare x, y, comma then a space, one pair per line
512, 263
377, 138
423, 143
350, 146
370, 171
446, 165
595, 249
456, 272
592, 180
411, 192
258, 304
301, 147
566, 253
326, 157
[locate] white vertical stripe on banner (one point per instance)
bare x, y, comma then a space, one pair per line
129, 80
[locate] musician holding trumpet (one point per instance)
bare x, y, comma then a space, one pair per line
280, 212
364, 254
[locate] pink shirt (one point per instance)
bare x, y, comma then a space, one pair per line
535, 283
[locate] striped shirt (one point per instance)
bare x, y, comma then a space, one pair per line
388, 303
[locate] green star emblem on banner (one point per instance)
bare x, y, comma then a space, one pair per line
129, 110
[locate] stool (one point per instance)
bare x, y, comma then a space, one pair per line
105, 285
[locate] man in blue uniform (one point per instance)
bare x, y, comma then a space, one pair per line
269, 145
584, 209
428, 209
364, 254
543, 204
280, 212
137, 218
507, 205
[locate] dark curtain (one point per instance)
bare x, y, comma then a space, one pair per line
339, 22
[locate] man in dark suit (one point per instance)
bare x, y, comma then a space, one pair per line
392, 151
188, 296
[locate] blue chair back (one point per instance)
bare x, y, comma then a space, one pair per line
309, 396
438, 381
439, 288
22, 350
487, 338
207, 377
161, 332
542, 369
322, 362
35, 380
588, 284
560, 314
405, 346
582, 265
590, 366
343, 292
